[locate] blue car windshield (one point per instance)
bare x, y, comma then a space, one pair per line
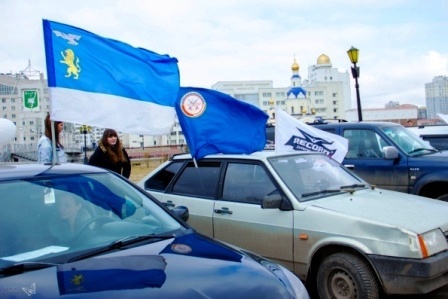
312, 176
49, 216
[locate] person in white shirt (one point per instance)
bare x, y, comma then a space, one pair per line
45, 145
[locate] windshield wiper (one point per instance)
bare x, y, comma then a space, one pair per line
422, 149
25, 267
118, 244
353, 186
333, 190
321, 192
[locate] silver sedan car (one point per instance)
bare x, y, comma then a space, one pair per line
343, 237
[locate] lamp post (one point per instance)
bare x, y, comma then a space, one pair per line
84, 130
353, 55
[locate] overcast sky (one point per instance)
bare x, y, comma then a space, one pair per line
403, 43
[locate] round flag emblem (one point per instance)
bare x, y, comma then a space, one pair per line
192, 104
181, 248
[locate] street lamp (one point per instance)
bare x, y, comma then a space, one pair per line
84, 130
353, 55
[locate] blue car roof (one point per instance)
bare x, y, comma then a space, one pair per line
10, 171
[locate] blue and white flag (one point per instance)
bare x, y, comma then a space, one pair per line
107, 83
214, 122
294, 135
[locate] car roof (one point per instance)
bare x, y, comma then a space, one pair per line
260, 155
363, 125
10, 171
430, 130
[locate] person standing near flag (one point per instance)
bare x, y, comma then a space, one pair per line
45, 144
110, 154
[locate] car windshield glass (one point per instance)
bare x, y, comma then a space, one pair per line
408, 141
312, 176
56, 218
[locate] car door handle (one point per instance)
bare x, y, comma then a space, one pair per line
350, 166
169, 204
223, 211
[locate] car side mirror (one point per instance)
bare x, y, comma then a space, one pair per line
182, 212
271, 201
390, 152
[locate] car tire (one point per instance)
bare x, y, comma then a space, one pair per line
344, 275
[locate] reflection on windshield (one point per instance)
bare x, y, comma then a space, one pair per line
65, 215
117, 273
312, 176
408, 141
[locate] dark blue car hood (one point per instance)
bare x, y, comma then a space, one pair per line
187, 267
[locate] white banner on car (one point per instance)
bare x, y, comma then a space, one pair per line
294, 135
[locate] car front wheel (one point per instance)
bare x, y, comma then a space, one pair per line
346, 276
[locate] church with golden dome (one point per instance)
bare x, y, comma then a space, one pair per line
325, 93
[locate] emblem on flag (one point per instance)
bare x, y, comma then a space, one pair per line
69, 59
310, 143
192, 104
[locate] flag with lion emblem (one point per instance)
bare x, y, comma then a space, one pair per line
107, 83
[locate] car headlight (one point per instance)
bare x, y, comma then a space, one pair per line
430, 243
291, 282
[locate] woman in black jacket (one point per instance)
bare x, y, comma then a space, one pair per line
110, 154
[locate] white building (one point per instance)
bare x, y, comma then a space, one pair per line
398, 114
437, 96
247, 91
24, 100
326, 93
328, 89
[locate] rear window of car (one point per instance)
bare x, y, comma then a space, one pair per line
162, 179
198, 181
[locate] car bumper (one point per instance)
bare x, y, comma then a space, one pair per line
411, 276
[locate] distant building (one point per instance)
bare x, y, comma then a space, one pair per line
422, 113
392, 104
247, 91
397, 114
24, 101
325, 93
437, 96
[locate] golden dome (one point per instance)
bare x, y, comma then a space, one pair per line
323, 59
295, 66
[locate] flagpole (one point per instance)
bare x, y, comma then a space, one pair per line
195, 163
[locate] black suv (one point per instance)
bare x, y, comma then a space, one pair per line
390, 156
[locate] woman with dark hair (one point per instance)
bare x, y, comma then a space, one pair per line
45, 144
110, 154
